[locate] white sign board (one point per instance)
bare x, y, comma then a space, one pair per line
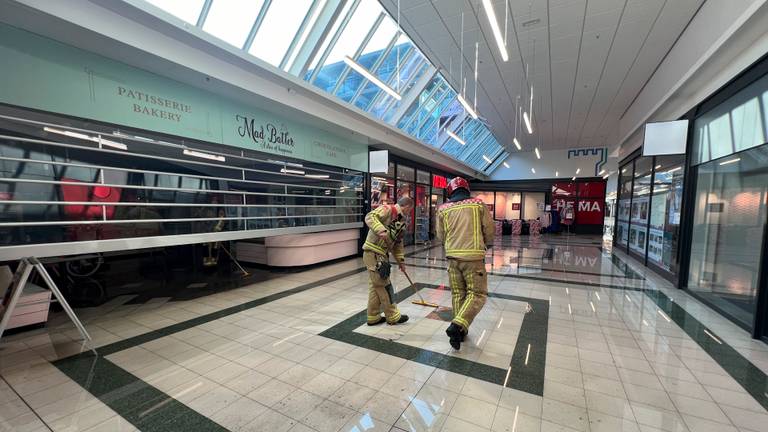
665, 138
378, 161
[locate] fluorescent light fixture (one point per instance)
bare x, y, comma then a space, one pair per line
606, 176
557, 173
517, 143
495, 29
318, 176
734, 160
527, 122
506, 165
113, 144
578, 170
364, 72
623, 170
673, 170
574, 178
455, 137
487, 159
658, 166
202, 155
533, 170
71, 134
601, 172
291, 171
467, 106
538, 155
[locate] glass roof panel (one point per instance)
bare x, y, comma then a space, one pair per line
232, 20
384, 72
357, 28
187, 10
328, 38
280, 26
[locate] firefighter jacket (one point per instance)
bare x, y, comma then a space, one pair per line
465, 227
385, 219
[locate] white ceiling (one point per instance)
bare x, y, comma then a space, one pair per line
592, 57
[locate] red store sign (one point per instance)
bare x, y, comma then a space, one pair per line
439, 182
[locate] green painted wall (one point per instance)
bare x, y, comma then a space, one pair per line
37, 72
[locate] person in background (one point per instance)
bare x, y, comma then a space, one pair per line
465, 227
386, 226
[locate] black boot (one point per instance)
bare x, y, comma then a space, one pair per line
403, 318
381, 320
456, 335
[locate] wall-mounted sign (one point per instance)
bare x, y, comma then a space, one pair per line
86, 85
439, 182
515, 206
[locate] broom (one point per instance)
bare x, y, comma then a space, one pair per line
421, 300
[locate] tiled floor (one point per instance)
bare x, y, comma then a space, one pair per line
572, 338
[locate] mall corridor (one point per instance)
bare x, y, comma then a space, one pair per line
384, 215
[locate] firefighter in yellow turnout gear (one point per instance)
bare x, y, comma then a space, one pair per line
466, 228
386, 227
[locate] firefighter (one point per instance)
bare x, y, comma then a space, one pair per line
466, 229
386, 229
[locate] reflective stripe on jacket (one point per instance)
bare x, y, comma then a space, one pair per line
465, 228
379, 221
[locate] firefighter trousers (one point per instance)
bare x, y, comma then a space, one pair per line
469, 290
381, 295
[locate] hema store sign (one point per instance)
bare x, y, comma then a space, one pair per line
51, 76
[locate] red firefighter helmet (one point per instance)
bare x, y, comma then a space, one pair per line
457, 183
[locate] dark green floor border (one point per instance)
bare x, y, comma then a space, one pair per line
526, 369
141, 404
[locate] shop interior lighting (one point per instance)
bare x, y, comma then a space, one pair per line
517, 143
370, 77
601, 172
467, 106
291, 171
557, 173
606, 176
533, 170
202, 155
455, 137
82, 136
491, 14
71, 134
670, 171
113, 144
487, 159
573, 178
578, 170
730, 161
538, 155
318, 176
506, 165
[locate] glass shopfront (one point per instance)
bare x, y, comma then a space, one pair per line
649, 206
426, 189
666, 206
730, 205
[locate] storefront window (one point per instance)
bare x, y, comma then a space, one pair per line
625, 201
665, 212
406, 189
508, 205
406, 173
487, 197
421, 201
734, 125
728, 227
641, 194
